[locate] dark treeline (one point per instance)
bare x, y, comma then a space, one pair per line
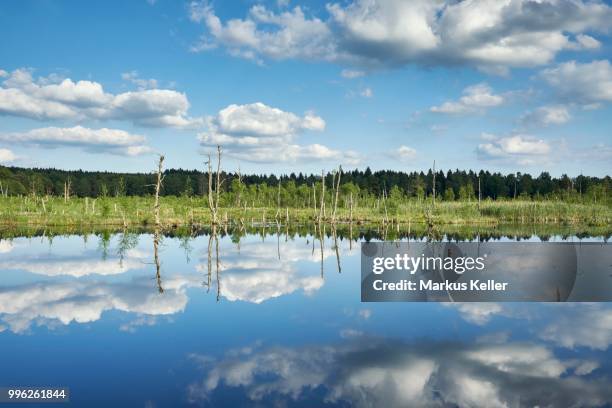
451, 185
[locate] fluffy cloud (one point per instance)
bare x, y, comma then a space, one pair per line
260, 133
586, 326
104, 140
520, 149
475, 98
585, 83
477, 313
7, 156
46, 303
141, 83
53, 98
547, 115
370, 33
76, 266
250, 276
374, 372
294, 36
405, 153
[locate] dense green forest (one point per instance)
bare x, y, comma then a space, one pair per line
297, 188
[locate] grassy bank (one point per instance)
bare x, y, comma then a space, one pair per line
186, 211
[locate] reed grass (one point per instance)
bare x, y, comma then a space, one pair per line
181, 211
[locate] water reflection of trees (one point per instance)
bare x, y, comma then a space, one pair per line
355, 231
337, 236
156, 240
213, 243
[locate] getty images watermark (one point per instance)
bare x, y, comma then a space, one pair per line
486, 271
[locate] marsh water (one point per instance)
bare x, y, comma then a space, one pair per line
274, 318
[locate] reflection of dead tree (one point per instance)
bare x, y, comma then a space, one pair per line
278, 239
214, 239
321, 233
336, 248
156, 238
217, 262
209, 264
351, 236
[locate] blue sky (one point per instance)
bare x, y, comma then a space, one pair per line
303, 86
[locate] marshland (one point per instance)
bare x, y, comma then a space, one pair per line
402, 201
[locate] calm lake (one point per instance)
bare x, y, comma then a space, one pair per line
142, 320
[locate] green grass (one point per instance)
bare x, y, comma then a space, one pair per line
182, 211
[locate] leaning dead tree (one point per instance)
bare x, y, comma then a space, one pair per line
213, 197
158, 184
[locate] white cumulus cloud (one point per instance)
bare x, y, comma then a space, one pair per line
405, 153
521, 149
260, 133
547, 115
475, 98
493, 36
48, 98
584, 83
114, 141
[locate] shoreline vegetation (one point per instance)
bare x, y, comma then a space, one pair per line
392, 199
194, 211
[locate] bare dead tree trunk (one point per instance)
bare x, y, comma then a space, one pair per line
322, 206
158, 185
67, 187
337, 187
384, 200
434, 183
213, 196
239, 185
479, 192
218, 186
211, 200
278, 200
314, 197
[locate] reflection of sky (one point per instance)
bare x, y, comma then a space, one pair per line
279, 334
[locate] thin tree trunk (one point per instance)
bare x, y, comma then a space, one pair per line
218, 187
434, 183
211, 200
160, 179
337, 190
322, 206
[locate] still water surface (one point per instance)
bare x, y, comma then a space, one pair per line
143, 320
